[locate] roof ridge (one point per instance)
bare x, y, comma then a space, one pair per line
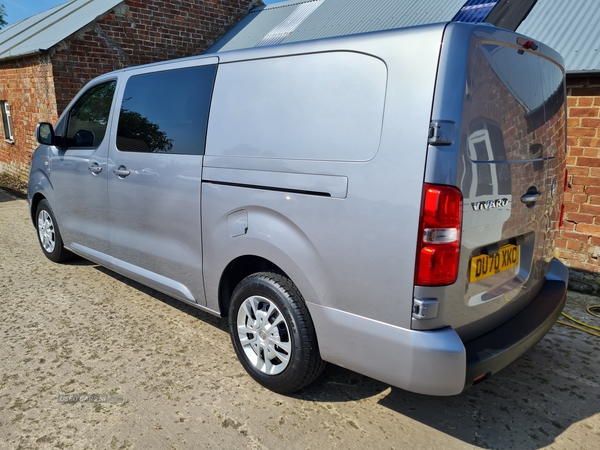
43, 30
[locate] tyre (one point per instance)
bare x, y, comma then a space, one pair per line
49, 235
272, 333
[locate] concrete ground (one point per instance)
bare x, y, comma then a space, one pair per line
176, 384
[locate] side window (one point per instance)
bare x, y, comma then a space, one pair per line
8, 131
88, 118
166, 112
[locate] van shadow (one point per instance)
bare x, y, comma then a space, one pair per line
8, 195
77, 260
526, 406
204, 316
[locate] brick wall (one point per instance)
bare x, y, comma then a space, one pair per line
579, 243
139, 32
135, 32
28, 86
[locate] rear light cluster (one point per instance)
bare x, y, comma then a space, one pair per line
438, 250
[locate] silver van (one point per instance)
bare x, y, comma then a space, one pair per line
387, 202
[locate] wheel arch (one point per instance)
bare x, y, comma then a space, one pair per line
35, 201
39, 186
236, 271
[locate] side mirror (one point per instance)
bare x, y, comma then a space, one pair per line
44, 133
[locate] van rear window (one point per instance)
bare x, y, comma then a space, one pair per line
513, 95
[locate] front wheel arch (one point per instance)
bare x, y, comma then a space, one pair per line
35, 201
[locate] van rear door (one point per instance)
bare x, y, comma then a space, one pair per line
507, 158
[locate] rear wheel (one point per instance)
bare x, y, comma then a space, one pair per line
49, 235
273, 334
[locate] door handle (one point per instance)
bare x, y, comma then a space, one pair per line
121, 172
95, 169
531, 196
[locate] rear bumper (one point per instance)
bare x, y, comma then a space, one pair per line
495, 350
435, 362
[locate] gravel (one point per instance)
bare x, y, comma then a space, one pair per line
89, 359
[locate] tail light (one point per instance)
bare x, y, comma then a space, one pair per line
438, 250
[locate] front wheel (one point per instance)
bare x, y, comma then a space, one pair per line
49, 235
272, 333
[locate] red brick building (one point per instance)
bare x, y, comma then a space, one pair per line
580, 236
47, 58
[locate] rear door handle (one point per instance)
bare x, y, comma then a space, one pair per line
531, 197
121, 172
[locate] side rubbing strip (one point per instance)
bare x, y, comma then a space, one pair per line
269, 188
335, 186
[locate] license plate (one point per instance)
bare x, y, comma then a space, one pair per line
484, 266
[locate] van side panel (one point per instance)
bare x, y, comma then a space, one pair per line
321, 107
352, 252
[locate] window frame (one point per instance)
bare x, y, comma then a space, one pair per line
7, 121
64, 124
149, 70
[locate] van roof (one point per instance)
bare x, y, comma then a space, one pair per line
296, 21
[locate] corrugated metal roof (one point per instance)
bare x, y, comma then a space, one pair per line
569, 27
46, 29
289, 25
334, 18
